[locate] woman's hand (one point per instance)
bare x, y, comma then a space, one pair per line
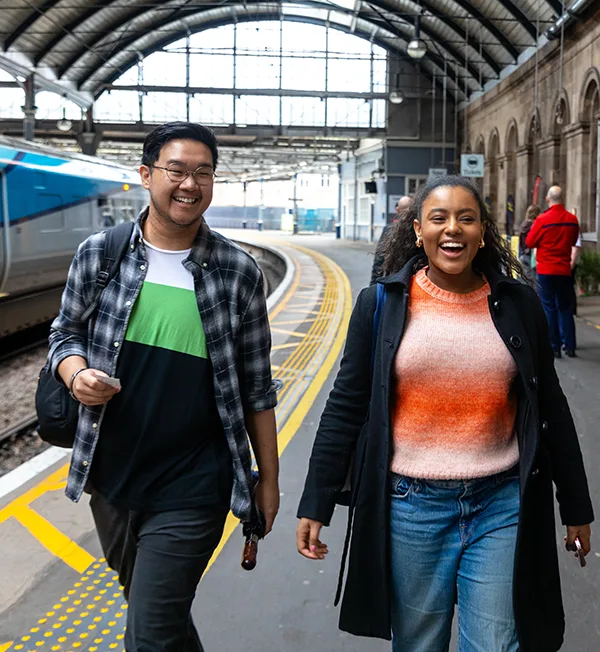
584, 533
307, 539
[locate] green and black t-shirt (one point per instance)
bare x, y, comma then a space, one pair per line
162, 444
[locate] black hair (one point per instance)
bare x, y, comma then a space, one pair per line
400, 245
160, 136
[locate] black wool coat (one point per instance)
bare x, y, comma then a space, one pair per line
355, 433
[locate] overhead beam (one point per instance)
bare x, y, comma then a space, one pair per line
468, 6
96, 7
268, 92
455, 27
19, 66
557, 7
512, 8
99, 5
31, 18
194, 10
248, 136
434, 58
460, 58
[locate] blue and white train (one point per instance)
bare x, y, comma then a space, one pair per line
51, 201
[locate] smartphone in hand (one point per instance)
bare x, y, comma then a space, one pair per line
107, 380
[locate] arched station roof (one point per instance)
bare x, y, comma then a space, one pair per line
82, 45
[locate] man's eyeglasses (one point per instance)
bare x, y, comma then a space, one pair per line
179, 173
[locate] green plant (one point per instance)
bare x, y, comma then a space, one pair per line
588, 272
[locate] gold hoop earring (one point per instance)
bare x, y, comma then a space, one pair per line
419, 241
481, 244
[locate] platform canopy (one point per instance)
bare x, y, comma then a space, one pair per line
78, 47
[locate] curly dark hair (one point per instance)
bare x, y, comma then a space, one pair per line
400, 244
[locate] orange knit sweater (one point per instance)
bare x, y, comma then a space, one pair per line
455, 405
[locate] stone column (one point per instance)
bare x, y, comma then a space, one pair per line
522, 191
29, 109
486, 179
90, 137
548, 155
501, 171
578, 174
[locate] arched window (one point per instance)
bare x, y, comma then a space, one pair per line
251, 59
591, 114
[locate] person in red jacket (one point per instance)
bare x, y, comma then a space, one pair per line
553, 234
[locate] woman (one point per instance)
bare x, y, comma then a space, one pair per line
456, 428
525, 254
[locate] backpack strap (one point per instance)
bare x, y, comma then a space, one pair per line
381, 296
115, 246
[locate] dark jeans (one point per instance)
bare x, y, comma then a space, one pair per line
160, 558
556, 295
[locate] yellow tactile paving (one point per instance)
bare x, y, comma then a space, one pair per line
90, 616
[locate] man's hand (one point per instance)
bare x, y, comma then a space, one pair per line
584, 532
267, 499
307, 539
91, 391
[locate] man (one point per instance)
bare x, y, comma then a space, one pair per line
184, 327
376, 271
554, 234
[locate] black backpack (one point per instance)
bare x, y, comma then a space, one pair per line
57, 411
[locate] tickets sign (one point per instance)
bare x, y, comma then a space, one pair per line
472, 165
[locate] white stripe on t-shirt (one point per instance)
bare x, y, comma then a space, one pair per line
165, 267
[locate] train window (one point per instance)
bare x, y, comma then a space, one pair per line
82, 217
53, 220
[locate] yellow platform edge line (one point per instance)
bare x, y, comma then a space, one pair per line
53, 482
296, 418
6, 646
57, 543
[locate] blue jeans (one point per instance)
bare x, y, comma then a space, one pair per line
453, 542
556, 295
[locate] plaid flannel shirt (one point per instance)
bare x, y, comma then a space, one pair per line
232, 306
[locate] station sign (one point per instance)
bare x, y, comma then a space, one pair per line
437, 172
472, 165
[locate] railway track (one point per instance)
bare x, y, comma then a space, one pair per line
23, 426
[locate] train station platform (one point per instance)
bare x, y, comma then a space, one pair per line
56, 592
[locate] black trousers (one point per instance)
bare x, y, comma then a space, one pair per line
160, 558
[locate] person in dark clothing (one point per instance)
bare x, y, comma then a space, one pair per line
165, 449
452, 431
524, 252
553, 235
401, 206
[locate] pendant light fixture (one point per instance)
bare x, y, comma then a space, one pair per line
416, 48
